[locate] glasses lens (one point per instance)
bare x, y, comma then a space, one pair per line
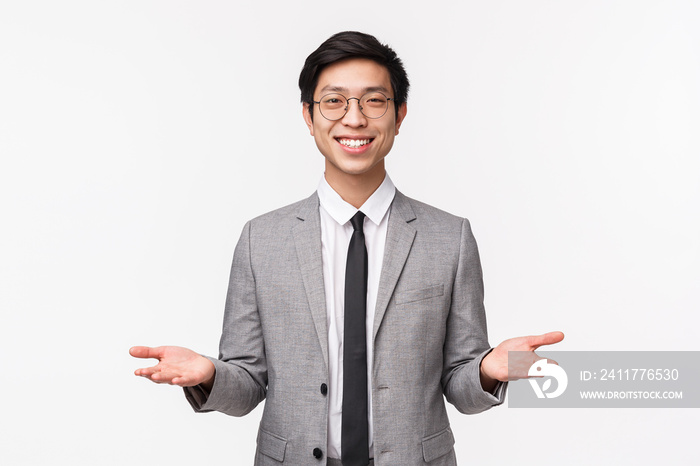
374, 104
333, 106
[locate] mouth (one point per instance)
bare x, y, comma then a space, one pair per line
354, 143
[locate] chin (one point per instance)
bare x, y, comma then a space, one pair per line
355, 169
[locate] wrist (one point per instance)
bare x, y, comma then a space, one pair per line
488, 383
208, 384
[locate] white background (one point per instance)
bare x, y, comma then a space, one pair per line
137, 137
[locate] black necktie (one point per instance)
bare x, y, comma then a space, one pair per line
354, 436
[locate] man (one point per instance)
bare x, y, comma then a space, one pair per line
352, 312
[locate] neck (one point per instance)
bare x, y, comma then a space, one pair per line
355, 189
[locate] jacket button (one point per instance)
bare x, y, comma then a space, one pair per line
324, 389
318, 454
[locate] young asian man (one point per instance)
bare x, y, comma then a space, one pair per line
355, 312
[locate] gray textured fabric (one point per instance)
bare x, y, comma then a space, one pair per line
337, 462
429, 336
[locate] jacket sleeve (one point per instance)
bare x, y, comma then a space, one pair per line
466, 339
241, 371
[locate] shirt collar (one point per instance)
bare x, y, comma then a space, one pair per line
375, 208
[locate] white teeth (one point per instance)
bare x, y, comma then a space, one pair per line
354, 143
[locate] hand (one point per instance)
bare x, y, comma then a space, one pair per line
494, 367
176, 366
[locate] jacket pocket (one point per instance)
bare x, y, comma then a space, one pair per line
271, 445
437, 445
418, 295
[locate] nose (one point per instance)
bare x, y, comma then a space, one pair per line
354, 116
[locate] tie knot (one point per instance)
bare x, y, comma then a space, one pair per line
358, 221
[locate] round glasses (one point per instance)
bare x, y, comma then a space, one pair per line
334, 106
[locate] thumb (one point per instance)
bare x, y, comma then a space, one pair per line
146, 352
546, 339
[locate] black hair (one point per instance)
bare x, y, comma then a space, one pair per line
352, 44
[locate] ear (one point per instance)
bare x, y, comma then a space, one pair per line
403, 109
307, 118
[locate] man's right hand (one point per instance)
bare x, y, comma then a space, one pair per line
176, 366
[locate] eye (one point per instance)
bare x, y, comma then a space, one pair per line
375, 100
333, 101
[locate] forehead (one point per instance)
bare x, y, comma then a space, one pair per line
353, 76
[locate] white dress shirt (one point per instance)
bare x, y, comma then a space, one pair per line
336, 231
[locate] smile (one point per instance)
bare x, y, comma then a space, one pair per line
354, 143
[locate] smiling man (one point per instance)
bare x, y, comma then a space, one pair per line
355, 312
354, 135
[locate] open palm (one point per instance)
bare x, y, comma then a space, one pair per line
495, 364
176, 366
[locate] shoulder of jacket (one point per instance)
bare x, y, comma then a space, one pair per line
426, 213
288, 213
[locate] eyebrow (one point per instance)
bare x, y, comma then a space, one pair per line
341, 89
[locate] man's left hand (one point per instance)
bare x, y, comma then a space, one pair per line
494, 367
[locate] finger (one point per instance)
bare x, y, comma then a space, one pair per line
146, 371
536, 357
519, 364
146, 352
151, 373
164, 377
545, 339
155, 380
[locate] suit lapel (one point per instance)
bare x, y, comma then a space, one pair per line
399, 238
307, 239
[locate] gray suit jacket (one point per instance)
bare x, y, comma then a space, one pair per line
429, 336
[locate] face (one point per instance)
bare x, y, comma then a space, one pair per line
355, 145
